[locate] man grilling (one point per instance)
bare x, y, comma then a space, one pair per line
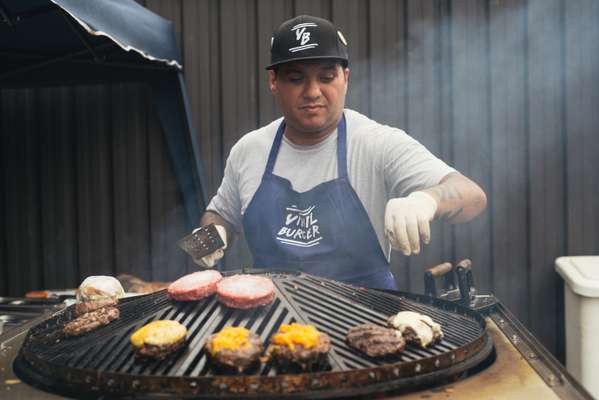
324, 189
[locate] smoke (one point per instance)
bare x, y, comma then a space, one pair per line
469, 69
505, 91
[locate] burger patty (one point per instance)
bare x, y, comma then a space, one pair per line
92, 305
244, 304
416, 328
158, 339
194, 286
238, 359
375, 341
305, 358
90, 321
159, 352
245, 291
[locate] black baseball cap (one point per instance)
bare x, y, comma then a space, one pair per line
306, 38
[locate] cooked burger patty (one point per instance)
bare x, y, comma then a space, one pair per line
194, 286
245, 291
158, 339
90, 321
159, 352
92, 305
235, 348
416, 328
299, 345
375, 341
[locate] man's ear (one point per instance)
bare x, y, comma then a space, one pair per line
346, 74
272, 82
346, 79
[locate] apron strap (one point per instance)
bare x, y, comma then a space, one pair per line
274, 150
341, 148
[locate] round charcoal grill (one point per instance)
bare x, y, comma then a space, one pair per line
102, 362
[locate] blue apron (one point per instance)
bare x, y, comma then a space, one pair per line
324, 231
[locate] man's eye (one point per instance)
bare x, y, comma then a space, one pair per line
327, 78
295, 78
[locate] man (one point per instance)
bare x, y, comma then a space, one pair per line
325, 190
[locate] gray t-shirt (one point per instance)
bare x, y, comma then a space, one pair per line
383, 162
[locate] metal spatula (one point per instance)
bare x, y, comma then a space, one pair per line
203, 241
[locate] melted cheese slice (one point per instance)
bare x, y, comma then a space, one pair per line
296, 334
424, 327
230, 338
159, 333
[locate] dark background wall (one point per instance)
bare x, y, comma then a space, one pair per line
506, 91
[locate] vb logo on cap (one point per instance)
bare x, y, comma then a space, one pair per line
304, 38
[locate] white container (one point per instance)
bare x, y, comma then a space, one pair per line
581, 294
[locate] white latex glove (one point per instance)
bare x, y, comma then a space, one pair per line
210, 260
407, 221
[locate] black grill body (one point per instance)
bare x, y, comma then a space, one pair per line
103, 363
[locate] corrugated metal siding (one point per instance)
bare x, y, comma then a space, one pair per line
505, 90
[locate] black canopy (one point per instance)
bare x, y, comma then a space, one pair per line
61, 42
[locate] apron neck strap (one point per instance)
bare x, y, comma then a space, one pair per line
341, 148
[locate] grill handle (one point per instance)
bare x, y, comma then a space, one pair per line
430, 286
463, 270
464, 292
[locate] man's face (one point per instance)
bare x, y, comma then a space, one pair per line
311, 94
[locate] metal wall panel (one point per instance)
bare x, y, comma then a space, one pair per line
509, 146
94, 181
506, 91
547, 194
3, 186
21, 229
269, 15
387, 79
58, 202
201, 50
239, 68
129, 126
423, 114
349, 15
471, 123
581, 61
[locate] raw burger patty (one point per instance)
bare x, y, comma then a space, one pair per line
194, 286
245, 291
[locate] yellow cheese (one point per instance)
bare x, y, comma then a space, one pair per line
157, 333
296, 334
230, 338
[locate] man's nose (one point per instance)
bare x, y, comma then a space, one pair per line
312, 89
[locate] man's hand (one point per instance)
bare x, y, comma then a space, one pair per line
210, 260
407, 221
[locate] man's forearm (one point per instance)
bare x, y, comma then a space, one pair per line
211, 217
459, 199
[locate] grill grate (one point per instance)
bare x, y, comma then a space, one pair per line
105, 361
